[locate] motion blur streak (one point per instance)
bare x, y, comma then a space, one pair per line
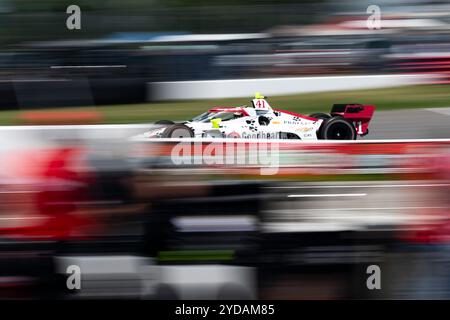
139, 226
87, 211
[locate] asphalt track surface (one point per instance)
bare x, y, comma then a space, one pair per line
336, 206
430, 123
426, 123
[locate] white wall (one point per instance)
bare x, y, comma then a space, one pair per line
215, 89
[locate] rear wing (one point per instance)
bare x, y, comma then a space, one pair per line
359, 114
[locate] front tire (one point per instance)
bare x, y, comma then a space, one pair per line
164, 122
178, 131
338, 128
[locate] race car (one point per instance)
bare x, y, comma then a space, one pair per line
261, 121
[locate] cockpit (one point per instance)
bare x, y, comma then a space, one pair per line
223, 115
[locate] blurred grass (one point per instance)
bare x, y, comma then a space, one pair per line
385, 99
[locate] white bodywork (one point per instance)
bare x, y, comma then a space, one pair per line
244, 122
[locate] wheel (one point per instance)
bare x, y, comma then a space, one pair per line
338, 128
178, 131
323, 116
164, 122
320, 115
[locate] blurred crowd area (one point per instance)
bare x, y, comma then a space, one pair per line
140, 226
123, 45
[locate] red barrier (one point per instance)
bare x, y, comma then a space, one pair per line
416, 159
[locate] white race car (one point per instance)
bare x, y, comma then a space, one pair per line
261, 121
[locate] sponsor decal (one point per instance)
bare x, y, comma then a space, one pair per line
261, 135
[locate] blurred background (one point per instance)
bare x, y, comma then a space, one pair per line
126, 53
76, 190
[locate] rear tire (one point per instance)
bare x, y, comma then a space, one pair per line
338, 128
320, 115
323, 116
178, 131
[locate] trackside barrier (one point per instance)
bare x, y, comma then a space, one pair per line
288, 158
407, 159
217, 89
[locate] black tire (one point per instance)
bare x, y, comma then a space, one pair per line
164, 122
178, 131
323, 116
338, 128
320, 115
